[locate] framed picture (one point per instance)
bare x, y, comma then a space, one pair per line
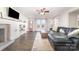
0, 14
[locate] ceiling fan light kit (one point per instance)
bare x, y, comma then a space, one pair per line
43, 11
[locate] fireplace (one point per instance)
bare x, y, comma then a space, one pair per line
4, 33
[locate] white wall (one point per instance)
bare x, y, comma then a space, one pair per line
50, 23
63, 21
14, 25
73, 21
64, 18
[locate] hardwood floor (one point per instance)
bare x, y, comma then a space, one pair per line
31, 41
24, 43
41, 44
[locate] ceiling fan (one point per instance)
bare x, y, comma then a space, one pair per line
43, 11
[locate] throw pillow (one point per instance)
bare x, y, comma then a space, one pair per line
75, 32
62, 31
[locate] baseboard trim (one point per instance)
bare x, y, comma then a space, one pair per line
5, 44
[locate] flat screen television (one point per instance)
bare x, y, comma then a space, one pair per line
12, 13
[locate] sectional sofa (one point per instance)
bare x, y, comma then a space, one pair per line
61, 41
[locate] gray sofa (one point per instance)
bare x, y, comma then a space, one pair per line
61, 41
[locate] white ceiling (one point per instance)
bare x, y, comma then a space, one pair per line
32, 13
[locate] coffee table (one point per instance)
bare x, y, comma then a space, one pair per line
44, 34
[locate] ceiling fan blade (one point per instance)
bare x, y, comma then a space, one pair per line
46, 11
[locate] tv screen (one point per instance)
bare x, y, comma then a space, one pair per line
12, 13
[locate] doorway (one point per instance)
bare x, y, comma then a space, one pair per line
40, 24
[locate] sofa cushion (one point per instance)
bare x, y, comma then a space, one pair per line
57, 36
62, 31
75, 32
65, 30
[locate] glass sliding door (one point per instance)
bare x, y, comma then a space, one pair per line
40, 24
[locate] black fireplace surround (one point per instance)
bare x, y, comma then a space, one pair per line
61, 42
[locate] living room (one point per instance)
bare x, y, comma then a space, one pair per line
33, 20
39, 29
